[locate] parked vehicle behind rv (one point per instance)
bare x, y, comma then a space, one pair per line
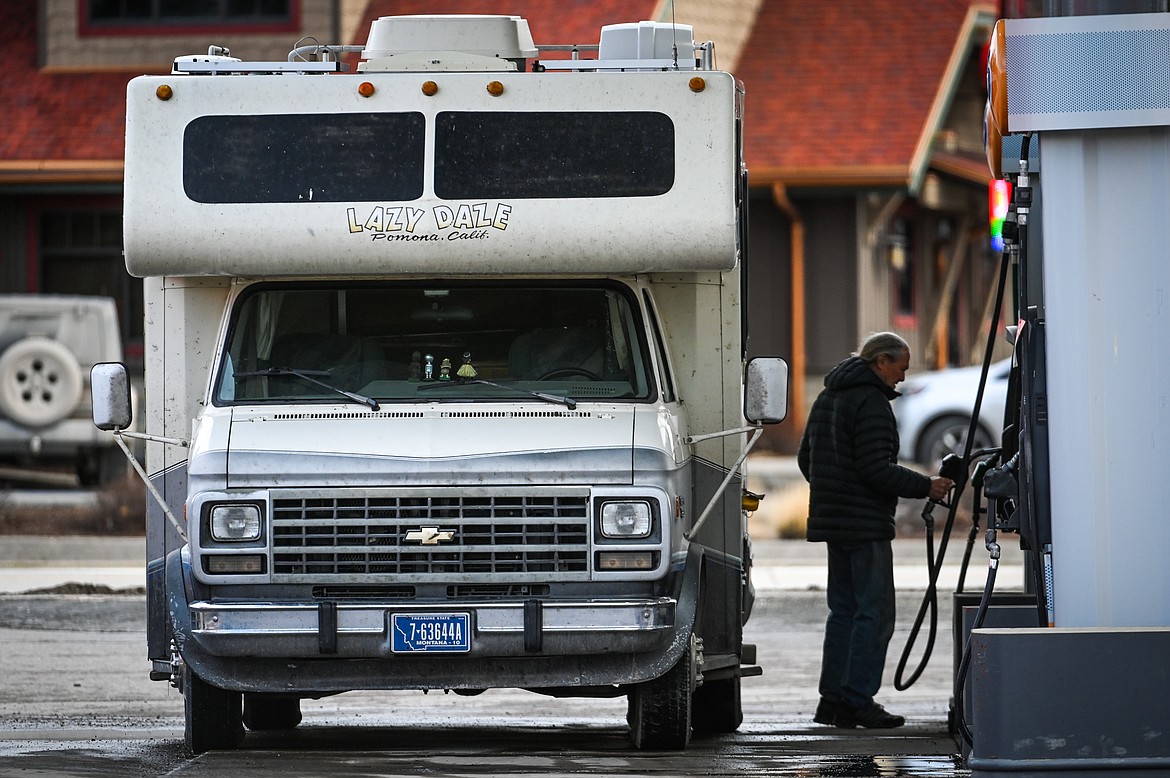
48, 343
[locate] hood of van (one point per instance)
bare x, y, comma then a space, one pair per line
434, 446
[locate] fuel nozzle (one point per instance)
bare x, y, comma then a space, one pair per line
1002, 488
953, 467
954, 470
1001, 481
981, 469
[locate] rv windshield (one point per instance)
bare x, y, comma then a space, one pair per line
389, 343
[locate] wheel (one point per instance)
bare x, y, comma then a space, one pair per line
717, 708
40, 382
214, 720
268, 712
948, 435
569, 372
659, 711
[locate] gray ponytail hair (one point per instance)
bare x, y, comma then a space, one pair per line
878, 343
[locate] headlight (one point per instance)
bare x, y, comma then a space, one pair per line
625, 519
235, 522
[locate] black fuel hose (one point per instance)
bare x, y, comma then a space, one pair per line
965, 662
992, 546
929, 604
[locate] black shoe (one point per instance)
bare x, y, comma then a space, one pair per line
827, 710
873, 716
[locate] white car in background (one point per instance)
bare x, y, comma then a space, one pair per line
934, 412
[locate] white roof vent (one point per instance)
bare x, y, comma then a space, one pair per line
216, 56
448, 42
649, 41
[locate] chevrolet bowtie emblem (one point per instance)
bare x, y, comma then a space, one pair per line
431, 536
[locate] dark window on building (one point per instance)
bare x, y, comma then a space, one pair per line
504, 154
298, 158
81, 253
177, 12
900, 251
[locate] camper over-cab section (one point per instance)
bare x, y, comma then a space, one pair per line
422, 163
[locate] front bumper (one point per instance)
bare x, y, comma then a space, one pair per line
310, 631
313, 648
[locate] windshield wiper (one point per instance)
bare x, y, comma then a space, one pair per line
568, 402
307, 375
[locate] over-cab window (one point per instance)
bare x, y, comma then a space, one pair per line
511, 154
301, 158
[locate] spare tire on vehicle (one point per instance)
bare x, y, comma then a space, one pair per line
40, 382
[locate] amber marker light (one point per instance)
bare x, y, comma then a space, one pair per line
366, 89
995, 112
698, 84
997, 86
430, 88
164, 92
495, 88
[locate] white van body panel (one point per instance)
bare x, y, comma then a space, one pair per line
690, 227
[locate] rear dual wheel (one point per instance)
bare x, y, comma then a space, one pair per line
268, 712
717, 707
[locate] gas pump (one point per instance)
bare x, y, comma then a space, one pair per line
1083, 479
975, 467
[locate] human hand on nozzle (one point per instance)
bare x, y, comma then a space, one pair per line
939, 486
950, 471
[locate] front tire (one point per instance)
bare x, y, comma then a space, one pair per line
659, 712
214, 720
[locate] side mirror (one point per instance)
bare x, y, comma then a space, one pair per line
765, 394
109, 387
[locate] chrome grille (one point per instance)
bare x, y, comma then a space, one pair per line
335, 537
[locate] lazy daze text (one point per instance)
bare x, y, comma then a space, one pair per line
470, 221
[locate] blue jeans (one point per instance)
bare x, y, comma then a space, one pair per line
861, 620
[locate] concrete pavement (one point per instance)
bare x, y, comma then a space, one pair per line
30, 562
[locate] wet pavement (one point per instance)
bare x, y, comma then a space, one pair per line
93, 712
75, 700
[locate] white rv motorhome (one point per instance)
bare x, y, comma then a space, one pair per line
446, 384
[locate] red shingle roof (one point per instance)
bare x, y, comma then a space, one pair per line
842, 91
60, 124
836, 91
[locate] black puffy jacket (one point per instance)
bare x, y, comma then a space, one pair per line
849, 455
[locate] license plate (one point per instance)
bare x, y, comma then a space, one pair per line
421, 633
